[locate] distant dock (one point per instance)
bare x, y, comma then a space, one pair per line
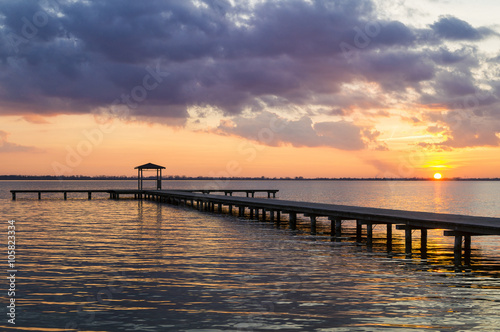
461, 227
115, 194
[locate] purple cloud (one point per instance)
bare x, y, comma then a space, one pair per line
157, 58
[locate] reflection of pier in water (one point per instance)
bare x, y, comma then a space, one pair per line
461, 227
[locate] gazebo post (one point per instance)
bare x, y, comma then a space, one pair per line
140, 175
158, 179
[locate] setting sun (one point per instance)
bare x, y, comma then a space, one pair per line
437, 176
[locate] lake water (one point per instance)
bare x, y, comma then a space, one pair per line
127, 265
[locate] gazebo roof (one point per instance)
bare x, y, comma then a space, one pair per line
149, 166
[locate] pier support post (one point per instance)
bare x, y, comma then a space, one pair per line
408, 240
278, 216
359, 230
423, 243
230, 209
313, 224
39, 195
292, 222
241, 211
257, 214
219, 208
65, 195
332, 227
338, 227
369, 234
271, 215
467, 249
90, 195
251, 213
457, 250
335, 227
13, 196
389, 237
264, 214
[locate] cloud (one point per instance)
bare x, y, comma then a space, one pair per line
6, 146
464, 129
450, 27
35, 118
159, 58
269, 129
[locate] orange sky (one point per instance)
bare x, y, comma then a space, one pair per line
77, 145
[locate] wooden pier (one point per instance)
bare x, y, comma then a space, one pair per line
138, 193
62, 191
459, 226
248, 192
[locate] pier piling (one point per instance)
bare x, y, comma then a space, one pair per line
313, 224
389, 237
292, 222
359, 231
460, 226
369, 234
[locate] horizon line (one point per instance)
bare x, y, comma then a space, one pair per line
184, 177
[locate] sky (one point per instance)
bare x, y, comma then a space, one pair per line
282, 88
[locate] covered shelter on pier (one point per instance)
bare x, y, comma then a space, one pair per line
149, 166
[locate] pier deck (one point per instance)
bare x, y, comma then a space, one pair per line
63, 191
248, 192
462, 227
454, 222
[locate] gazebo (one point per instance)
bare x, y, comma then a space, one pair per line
148, 166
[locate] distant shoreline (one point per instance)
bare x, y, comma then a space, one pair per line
207, 178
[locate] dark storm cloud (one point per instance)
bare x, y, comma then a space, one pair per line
450, 27
159, 57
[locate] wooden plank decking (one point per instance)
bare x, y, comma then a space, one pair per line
63, 191
462, 227
454, 222
248, 192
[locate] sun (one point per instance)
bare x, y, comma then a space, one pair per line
437, 176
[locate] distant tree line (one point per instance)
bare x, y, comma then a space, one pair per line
183, 177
